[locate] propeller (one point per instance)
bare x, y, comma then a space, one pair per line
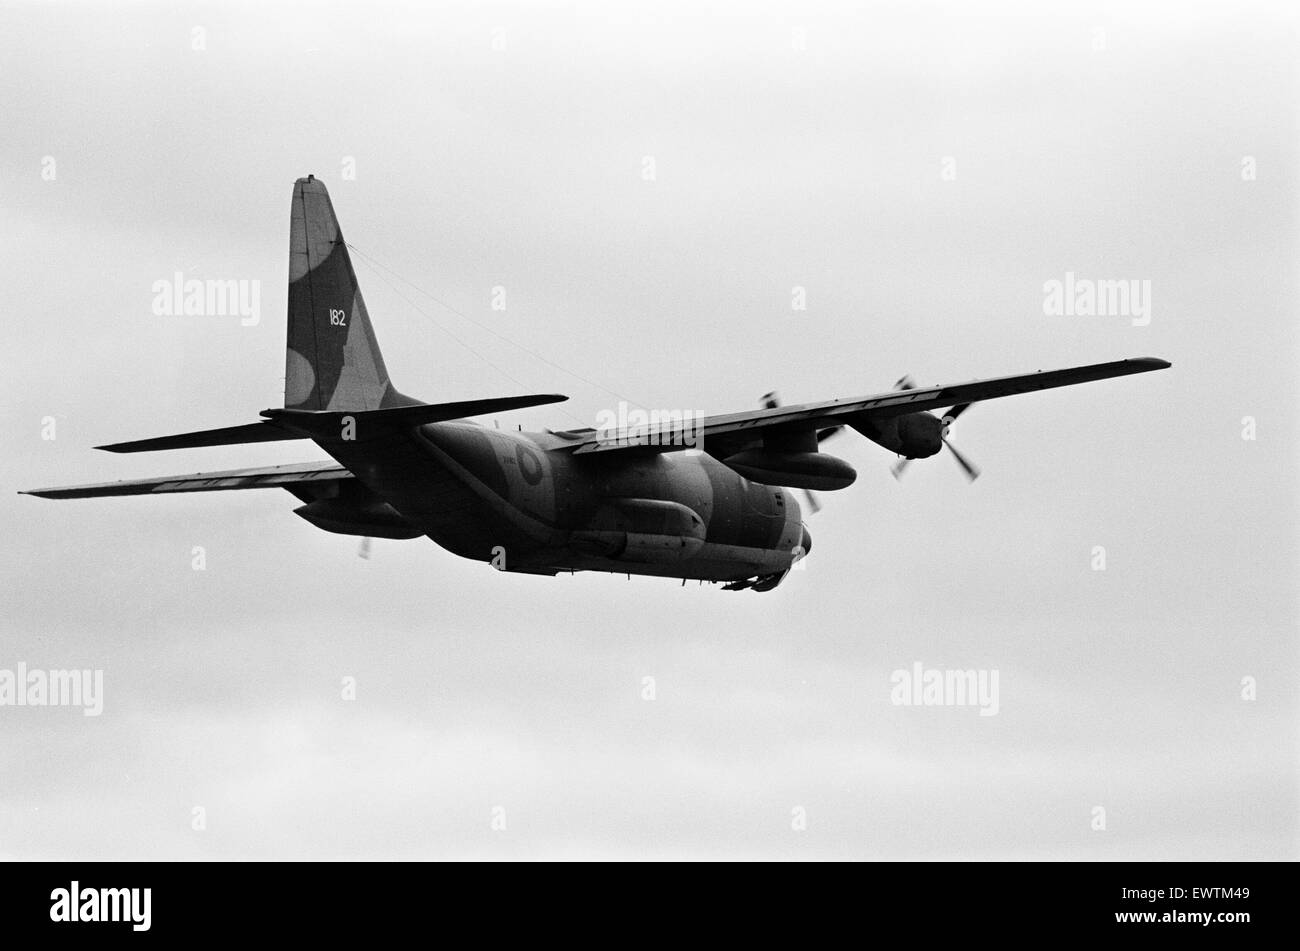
364, 550
972, 471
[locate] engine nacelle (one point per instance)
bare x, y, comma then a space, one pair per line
913, 435
798, 470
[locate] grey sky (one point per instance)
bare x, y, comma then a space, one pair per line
775, 167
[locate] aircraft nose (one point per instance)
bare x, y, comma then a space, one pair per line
806, 542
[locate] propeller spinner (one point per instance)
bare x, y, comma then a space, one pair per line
972, 471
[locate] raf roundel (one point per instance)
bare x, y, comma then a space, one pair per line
529, 465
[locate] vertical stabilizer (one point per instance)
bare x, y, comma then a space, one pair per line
332, 359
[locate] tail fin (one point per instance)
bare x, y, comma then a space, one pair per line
332, 360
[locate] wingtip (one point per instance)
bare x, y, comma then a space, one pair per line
1155, 363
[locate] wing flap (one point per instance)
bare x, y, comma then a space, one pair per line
265, 477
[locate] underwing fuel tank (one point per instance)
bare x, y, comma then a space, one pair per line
798, 470
642, 530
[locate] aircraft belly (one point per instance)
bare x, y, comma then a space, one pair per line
711, 562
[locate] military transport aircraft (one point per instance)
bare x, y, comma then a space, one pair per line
681, 498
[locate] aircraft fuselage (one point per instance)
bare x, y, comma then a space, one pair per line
525, 502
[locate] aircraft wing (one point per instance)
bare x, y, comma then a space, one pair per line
719, 434
265, 477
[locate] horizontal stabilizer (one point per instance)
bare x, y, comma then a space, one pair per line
265, 477
368, 424
228, 436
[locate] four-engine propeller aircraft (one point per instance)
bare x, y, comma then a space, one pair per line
702, 499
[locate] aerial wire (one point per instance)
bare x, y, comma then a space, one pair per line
482, 326
418, 309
